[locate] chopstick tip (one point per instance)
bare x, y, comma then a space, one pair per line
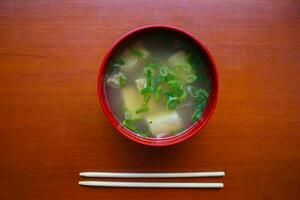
83, 182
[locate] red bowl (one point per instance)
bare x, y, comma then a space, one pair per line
195, 128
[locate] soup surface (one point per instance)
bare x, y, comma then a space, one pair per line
158, 85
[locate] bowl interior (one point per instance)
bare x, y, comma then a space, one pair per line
213, 77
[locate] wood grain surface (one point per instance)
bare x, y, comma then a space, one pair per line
51, 126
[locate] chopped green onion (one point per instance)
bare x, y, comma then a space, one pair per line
182, 97
147, 90
136, 120
122, 81
196, 116
158, 93
201, 104
129, 124
172, 102
137, 53
175, 87
170, 77
160, 79
142, 133
141, 110
114, 64
163, 71
191, 78
146, 98
149, 68
153, 65
149, 76
193, 91
203, 92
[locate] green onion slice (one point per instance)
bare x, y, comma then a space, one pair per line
191, 78
158, 93
163, 71
141, 110
137, 53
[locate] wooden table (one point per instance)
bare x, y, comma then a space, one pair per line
51, 126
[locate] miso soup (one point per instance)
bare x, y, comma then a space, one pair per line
157, 85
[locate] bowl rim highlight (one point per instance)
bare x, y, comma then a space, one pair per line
189, 132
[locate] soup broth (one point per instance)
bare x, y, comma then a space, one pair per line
158, 85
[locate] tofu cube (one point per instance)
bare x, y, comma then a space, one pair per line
132, 100
161, 123
131, 60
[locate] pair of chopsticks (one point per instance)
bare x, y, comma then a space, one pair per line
151, 184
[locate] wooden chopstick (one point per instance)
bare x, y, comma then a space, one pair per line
150, 184
151, 175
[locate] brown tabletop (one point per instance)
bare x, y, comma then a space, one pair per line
51, 126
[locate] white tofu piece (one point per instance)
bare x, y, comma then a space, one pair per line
180, 58
113, 80
161, 123
132, 61
139, 46
153, 104
132, 100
